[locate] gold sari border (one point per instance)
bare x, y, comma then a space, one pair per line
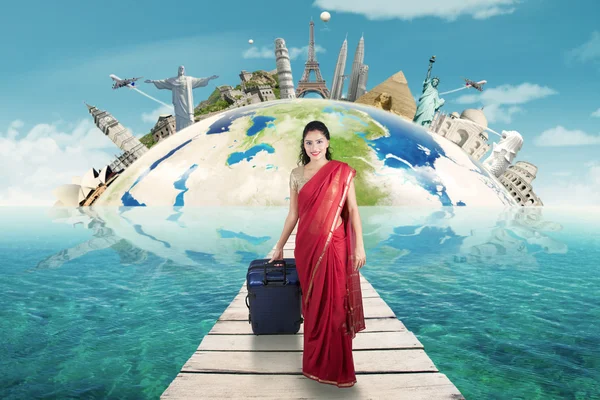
340, 385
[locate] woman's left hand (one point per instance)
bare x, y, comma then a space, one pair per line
360, 258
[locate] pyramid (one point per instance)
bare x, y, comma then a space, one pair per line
403, 103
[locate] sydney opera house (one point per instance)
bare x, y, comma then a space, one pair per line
85, 190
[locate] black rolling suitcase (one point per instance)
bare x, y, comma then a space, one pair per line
274, 298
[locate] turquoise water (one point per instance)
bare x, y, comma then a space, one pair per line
249, 154
259, 123
110, 303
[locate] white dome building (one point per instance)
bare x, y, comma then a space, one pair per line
476, 116
90, 179
80, 190
105, 174
467, 130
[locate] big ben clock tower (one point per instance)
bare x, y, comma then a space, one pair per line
131, 146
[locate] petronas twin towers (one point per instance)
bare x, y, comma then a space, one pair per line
358, 76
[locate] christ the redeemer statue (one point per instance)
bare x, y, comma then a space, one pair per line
183, 100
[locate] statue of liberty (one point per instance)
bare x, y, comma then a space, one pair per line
429, 102
183, 100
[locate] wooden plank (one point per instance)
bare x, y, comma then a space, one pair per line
240, 298
364, 341
368, 289
288, 246
365, 293
373, 308
241, 313
374, 361
364, 285
244, 328
286, 254
363, 282
425, 386
369, 302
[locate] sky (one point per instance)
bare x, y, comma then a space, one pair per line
541, 59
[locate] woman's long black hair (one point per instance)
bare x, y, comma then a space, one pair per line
313, 126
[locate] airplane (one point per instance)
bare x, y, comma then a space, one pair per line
476, 85
119, 83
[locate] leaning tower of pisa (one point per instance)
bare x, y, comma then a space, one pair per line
284, 70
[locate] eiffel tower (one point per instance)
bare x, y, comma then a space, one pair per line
305, 85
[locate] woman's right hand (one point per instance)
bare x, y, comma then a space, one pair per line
277, 255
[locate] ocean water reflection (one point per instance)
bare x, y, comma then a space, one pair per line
510, 236
100, 301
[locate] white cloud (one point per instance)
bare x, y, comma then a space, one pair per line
497, 113
449, 10
496, 99
296, 52
35, 162
594, 173
596, 113
588, 51
152, 116
562, 173
13, 129
509, 94
255, 52
269, 52
574, 193
488, 12
560, 136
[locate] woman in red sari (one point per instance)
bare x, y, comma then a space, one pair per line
329, 252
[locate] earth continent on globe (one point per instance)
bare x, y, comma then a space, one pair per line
244, 156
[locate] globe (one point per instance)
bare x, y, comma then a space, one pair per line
244, 156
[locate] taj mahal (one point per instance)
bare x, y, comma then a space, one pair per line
467, 130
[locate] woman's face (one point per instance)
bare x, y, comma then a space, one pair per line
315, 145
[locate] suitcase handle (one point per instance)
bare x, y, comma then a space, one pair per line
275, 263
248, 305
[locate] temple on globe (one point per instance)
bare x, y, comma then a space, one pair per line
467, 130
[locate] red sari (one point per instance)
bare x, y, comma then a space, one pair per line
331, 294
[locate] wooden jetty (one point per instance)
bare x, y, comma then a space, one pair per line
233, 363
